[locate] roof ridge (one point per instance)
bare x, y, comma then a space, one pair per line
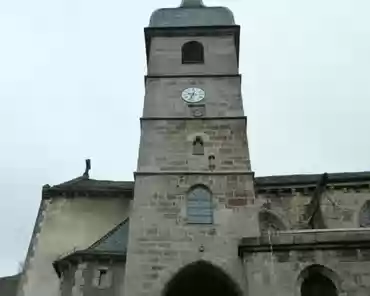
71, 182
10, 276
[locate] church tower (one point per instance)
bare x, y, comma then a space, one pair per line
194, 193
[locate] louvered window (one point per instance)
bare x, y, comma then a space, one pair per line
199, 206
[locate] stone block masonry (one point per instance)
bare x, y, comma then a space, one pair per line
162, 242
166, 145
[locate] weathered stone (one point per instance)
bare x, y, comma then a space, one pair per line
236, 202
350, 255
282, 256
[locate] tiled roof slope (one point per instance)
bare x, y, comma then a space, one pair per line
111, 245
192, 13
86, 183
115, 241
8, 285
310, 179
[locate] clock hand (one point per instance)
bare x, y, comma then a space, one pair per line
192, 95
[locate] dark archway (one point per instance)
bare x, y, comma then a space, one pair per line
317, 282
201, 279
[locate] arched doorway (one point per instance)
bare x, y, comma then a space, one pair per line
316, 281
201, 279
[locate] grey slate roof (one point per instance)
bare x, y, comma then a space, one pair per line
192, 13
8, 285
311, 179
85, 184
112, 245
115, 241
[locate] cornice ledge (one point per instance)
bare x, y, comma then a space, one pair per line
148, 173
194, 118
325, 239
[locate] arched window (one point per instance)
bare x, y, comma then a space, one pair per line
211, 162
199, 205
317, 284
269, 222
364, 216
198, 146
192, 53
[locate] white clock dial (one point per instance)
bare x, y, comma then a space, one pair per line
193, 94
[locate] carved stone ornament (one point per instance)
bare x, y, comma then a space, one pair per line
197, 110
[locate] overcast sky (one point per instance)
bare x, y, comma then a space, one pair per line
72, 86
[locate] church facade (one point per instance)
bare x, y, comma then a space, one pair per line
196, 221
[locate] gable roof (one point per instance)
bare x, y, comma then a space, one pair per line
311, 179
92, 184
115, 241
111, 245
8, 285
87, 185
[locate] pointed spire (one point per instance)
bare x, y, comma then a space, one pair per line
192, 3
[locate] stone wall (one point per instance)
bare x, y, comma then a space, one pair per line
167, 145
279, 274
340, 206
67, 224
275, 265
219, 56
82, 279
163, 96
162, 242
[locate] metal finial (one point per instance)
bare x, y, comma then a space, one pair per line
192, 3
87, 168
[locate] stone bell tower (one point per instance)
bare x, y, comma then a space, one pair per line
194, 194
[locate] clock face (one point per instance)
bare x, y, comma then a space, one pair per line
193, 94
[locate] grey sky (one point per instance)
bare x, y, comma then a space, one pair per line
71, 87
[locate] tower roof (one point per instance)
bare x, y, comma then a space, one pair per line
192, 13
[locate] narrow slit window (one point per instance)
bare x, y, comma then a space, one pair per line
102, 277
192, 53
198, 146
364, 215
199, 206
211, 162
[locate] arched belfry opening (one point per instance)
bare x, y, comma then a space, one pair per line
192, 53
316, 280
200, 279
